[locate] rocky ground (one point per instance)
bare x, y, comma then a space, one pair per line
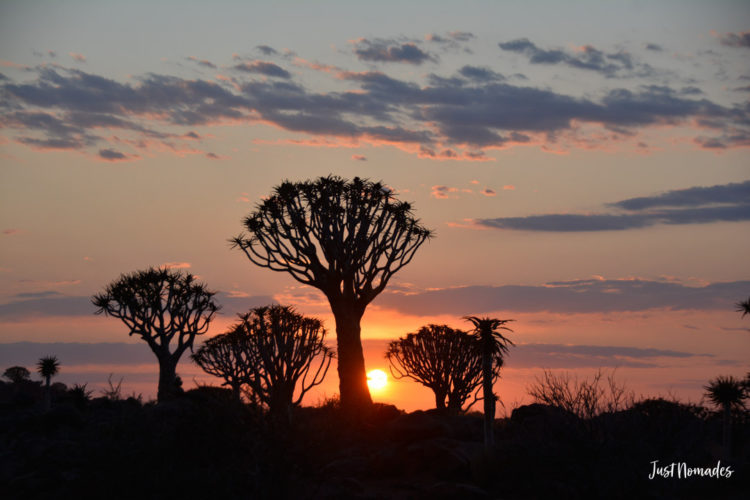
204, 446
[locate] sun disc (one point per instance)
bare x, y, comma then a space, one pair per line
376, 379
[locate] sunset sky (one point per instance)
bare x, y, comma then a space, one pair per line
584, 165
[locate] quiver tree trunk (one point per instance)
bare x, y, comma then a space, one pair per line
167, 378
727, 432
355, 395
489, 403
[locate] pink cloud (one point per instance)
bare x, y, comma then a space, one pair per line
177, 265
78, 57
489, 192
359, 157
509, 187
10, 64
443, 192
11, 231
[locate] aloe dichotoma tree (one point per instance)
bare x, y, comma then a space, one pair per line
444, 359
345, 238
281, 347
160, 305
225, 356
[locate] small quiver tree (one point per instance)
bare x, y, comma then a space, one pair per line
346, 239
493, 346
441, 358
161, 305
225, 356
281, 347
48, 367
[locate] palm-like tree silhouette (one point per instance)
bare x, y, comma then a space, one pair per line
48, 367
744, 307
726, 393
493, 346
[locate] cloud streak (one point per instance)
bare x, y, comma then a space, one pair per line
28, 306
569, 297
698, 205
380, 50
586, 57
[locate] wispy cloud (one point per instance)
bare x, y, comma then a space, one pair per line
736, 39
31, 305
442, 192
586, 57
77, 57
459, 116
580, 296
698, 205
112, 155
555, 356
202, 62
177, 265
264, 68
382, 50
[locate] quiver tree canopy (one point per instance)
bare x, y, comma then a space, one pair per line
280, 350
446, 360
160, 305
346, 238
226, 356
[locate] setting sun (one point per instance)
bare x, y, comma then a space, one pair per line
376, 379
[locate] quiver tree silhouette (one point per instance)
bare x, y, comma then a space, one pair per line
345, 238
225, 356
48, 367
280, 347
447, 361
160, 305
493, 347
17, 374
743, 307
726, 393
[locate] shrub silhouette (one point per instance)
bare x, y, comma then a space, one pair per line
279, 347
17, 374
160, 305
447, 361
48, 367
493, 347
225, 356
585, 398
345, 238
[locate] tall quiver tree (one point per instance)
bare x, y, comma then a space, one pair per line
345, 238
493, 346
160, 305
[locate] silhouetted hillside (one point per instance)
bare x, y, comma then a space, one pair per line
204, 445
